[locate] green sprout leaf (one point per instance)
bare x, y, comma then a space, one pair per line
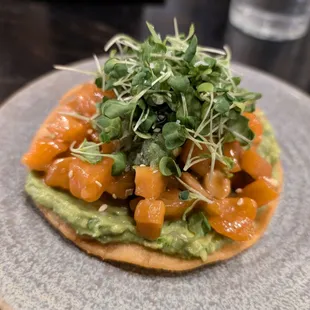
205, 87
239, 128
191, 49
233, 114
229, 162
221, 105
148, 122
119, 70
179, 83
240, 106
109, 65
209, 61
142, 78
151, 151
99, 82
168, 167
236, 80
109, 129
250, 107
184, 195
191, 32
120, 161
88, 152
113, 108
198, 224
248, 96
174, 135
155, 36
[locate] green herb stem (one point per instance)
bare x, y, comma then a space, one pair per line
192, 190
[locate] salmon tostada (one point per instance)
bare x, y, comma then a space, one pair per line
163, 161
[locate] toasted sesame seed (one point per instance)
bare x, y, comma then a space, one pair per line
238, 190
128, 191
240, 202
155, 171
70, 174
142, 165
89, 131
98, 183
51, 135
103, 207
114, 196
272, 181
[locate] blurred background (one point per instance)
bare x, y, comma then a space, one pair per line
34, 35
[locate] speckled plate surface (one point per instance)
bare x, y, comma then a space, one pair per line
41, 270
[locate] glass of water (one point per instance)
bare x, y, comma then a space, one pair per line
275, 20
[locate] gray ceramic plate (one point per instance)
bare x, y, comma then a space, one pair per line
41, 270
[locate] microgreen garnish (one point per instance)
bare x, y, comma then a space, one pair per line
108, 128
189, 209
167, 167
174, 89
90, 152
184, 195
87, 151
194, 194
198, 224
174, 135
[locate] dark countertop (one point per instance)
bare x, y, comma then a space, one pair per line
34, 35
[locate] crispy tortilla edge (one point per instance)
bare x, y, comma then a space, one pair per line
141, 256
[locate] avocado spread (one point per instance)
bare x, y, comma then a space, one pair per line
188, 239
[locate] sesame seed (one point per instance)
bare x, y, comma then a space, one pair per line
155, 171
103, 207
240, 202
51, 135
98, 183
161, 117
157, 130
178, 121
238, 190
70, 174
114, 196
128, 191
272, 181
142, 165
89, 131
